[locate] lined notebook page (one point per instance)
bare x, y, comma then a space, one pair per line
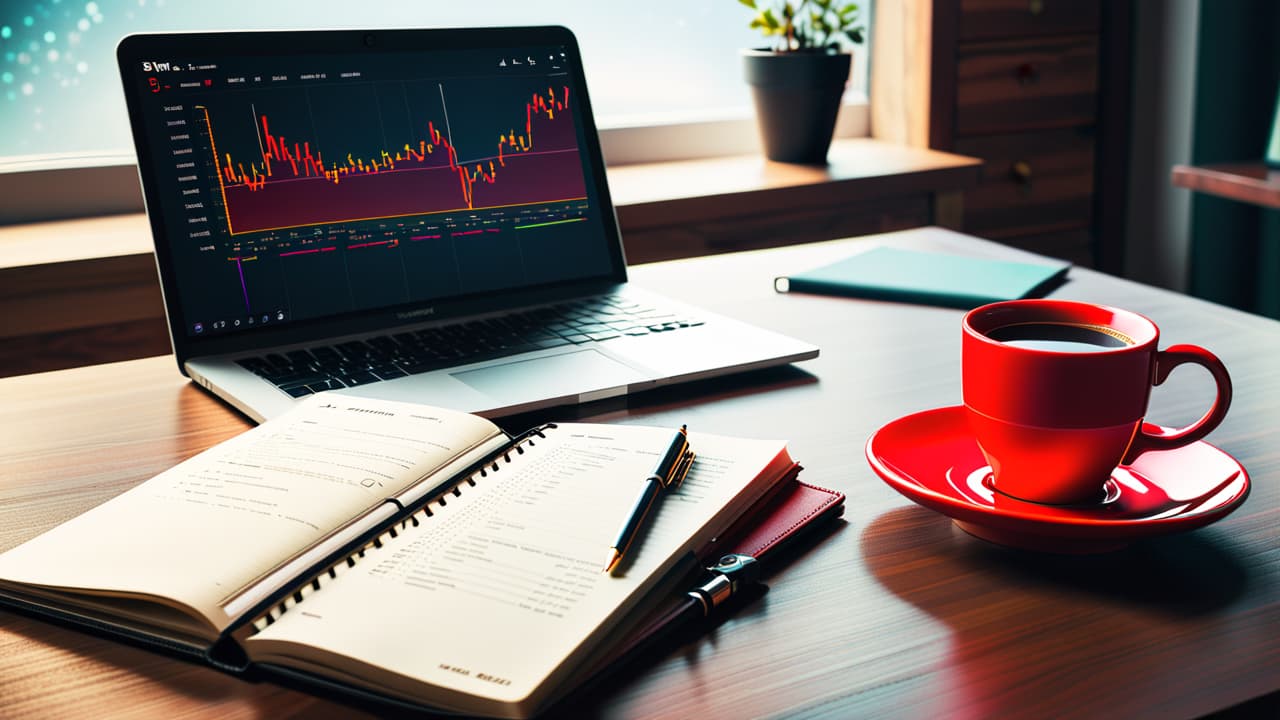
501, 583
204, 529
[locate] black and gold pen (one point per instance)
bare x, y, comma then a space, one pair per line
670, 470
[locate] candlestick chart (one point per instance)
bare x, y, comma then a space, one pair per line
374, 151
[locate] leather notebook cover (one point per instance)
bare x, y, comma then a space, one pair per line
781, 519
775, 523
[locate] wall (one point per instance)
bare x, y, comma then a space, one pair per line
1158, 234
1235, 246
1206, 76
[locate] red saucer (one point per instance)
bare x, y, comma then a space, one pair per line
932, 459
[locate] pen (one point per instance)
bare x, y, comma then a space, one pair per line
671, 468
732, 577
722, 588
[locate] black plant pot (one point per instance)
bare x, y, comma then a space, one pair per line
797, 97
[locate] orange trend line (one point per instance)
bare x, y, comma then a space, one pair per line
312, 165
226, 209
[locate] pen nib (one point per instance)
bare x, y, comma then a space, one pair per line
612, 562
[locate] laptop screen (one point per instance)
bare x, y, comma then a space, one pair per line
298, 187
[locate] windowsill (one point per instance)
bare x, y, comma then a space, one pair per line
874, 166
698, 207
647, 196
1253, 183
76, 292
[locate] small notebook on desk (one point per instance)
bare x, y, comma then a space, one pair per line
407, 551
889, 273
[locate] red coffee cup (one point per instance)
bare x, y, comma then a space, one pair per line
1056, 393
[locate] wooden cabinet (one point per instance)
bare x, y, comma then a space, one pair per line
1032, 182
1038, 89
995, 19
1026, 84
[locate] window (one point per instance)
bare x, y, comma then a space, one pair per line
665, 76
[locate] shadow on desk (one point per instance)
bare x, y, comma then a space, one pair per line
981, 592
1179, 575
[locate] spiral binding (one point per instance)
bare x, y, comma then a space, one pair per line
413, 519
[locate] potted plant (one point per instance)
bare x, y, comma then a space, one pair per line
797, 83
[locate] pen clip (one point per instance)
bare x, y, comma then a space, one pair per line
727, 577
682, 469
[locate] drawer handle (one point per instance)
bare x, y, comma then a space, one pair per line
1027, 74
1021, 172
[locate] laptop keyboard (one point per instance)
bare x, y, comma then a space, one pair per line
385, 357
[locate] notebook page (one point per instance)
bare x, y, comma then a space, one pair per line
503, 582
202, 530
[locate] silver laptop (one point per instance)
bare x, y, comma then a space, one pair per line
410, 214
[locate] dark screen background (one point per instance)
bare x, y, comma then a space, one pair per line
300, 188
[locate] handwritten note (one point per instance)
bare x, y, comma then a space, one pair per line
517, 556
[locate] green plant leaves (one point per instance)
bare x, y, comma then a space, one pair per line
767, 22
808, 23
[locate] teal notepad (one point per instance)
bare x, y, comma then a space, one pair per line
887, 273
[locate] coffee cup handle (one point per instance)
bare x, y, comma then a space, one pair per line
1164, 439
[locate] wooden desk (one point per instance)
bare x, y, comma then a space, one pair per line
896, 613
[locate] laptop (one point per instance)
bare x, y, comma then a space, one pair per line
411, 214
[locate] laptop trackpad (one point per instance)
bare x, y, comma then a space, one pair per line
555, 376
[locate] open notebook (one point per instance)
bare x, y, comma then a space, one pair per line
415, 552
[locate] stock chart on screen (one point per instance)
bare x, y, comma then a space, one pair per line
308, 187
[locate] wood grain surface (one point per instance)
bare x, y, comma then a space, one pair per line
1032, 182
1015, 85
1247, 182
894, 613
1076, 246
992, 19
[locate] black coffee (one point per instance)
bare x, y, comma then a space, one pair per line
1060, 337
